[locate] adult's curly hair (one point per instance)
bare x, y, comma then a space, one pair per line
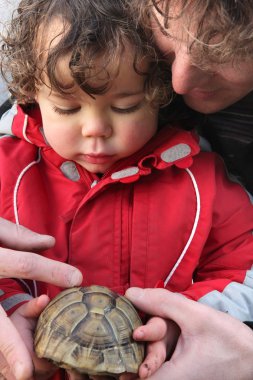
219, 31
92, 31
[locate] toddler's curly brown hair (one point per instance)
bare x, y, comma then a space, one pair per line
92, 31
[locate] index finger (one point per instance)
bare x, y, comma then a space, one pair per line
21, 238
32, 266
165, 304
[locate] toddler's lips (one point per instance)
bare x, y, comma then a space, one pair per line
97, 158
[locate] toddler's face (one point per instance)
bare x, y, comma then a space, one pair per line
97, 132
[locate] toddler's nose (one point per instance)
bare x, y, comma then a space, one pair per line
97, 126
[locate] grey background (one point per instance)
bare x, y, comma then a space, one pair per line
6, 9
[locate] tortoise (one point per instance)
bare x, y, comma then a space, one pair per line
89, 329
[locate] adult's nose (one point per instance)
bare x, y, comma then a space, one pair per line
185, 75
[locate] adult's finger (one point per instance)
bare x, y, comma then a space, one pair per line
15, 357
21, 238
165, 304
161, 336
169, 371
29, 265
41, 368
155, 329
30, 311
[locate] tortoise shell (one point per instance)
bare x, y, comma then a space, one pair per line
89, 329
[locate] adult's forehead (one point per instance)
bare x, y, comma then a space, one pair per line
203, 20
170, 20
212, 31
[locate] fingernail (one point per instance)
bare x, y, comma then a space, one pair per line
139, 334
75, 278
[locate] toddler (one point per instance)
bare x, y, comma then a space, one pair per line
83, 159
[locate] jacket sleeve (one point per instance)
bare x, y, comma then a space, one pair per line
13, 293
224, 277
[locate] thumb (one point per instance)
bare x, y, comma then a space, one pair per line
33, 308
165, 304
13, 350
29, 312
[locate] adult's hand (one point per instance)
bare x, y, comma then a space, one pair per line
25, 318
17, 259
212, 344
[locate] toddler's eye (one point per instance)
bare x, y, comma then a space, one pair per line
62, 111
127, 110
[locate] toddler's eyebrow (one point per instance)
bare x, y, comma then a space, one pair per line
120, 95
61, 96
125, 94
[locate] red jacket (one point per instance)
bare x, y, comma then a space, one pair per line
166, 213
